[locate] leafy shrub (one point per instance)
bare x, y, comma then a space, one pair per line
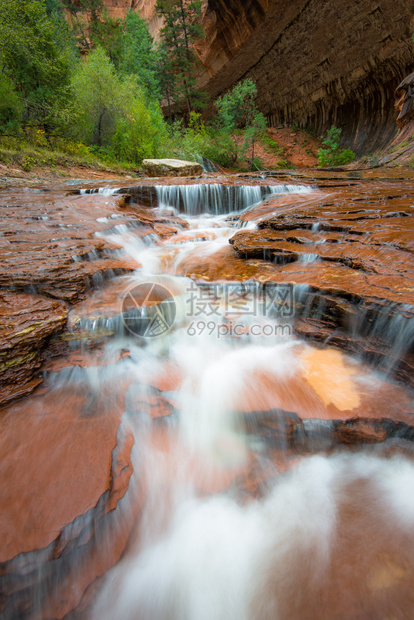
257, 164
237, 110
11, 107
332, 155
113, 114
279, 151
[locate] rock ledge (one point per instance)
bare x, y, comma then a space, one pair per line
171, 168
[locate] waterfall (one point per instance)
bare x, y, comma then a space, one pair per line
207, 165
201, 448
219, 199
105, 191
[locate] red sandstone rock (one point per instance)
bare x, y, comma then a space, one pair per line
27, 324
405, 101
48, 247
60, 506
341, 77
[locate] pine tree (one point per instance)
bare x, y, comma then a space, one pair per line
136, 54
181, 29
78, 9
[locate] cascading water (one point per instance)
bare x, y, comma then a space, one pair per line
228, 514
105, 191
201, 552
219, 199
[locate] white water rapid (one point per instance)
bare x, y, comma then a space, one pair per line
234, 523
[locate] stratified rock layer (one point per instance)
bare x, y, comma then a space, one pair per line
347, 253
27, 323
50, 258
70, 489
315, 63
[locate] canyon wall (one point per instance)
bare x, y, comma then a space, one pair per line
315, 62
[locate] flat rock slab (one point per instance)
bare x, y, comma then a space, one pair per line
66, 464
171, 168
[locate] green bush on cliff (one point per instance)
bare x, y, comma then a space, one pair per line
237, 110
332, 155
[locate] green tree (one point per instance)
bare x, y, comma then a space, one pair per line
182, 27
96, 91
106, 33
11, 106
237, 110
166, 78
112, 112
136, 54
53, 6
32, 57
252, 133
85, 16
332, 155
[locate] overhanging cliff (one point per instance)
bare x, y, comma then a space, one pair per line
315, 62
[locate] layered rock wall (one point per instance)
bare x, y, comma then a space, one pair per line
315, 63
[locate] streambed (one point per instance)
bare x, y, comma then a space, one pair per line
220, 433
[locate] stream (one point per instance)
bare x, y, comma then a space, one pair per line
240, 490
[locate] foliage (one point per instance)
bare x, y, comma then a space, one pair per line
199, 140
180, 31
36, 58
166, 79
11, 106
96, 98
252, 133
136, 54
257, 164
91, 24
61, 156
279, 151
106, 32
237, 109
108, 104
31, 56
332, 155
111, 112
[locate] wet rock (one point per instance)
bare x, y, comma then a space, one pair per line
351, 251
50, 245
124, 201
59, 510
50, 254
171, 168
28, 322
313, 434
